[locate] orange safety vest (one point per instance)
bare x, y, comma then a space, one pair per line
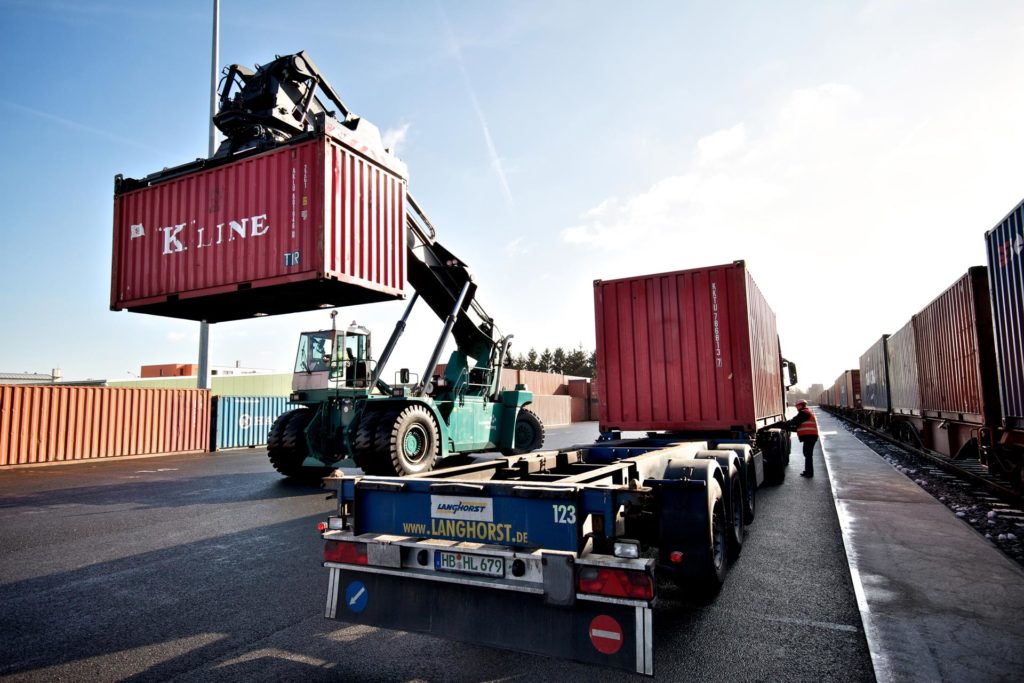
808, 427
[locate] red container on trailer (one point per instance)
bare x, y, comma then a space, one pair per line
315, 224
692, 350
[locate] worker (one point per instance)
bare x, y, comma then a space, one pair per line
806, 426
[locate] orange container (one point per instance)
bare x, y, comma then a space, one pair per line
40, 424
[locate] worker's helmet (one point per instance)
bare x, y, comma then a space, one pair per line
801, 402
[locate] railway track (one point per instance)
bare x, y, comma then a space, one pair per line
969, 470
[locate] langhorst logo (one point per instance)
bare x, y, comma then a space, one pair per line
457, 507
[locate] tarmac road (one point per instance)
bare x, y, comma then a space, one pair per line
206, 567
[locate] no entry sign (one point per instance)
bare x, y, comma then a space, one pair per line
606, 634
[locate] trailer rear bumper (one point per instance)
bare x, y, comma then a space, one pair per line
602, 631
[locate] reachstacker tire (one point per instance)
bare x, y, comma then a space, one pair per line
363, 452
529, 433
287, 446
415, 441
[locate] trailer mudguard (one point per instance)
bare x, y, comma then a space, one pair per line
684, 517
602, 633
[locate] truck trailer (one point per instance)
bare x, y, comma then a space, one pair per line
575, 542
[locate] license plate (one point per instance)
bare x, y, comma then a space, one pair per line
445, 561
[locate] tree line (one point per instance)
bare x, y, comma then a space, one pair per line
577, 362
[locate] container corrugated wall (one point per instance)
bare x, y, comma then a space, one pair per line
689, 350
904, 387
1005, 247
40, 424
853, 397
284, 231
874, 374
244, 421
955, 350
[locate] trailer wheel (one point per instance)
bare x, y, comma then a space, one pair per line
414, 441
529, 433
717, 564
286, 445
750, 494
737, 527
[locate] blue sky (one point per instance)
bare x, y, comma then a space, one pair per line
853, 153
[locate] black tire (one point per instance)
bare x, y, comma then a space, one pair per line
713, 575
364, 451
288, 449
775, 458
275, 439
415, 441
529, 433
750, 494
737, 524
380, 461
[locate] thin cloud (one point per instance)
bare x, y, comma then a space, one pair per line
492, 151
75, 125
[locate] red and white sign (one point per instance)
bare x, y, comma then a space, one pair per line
606, 634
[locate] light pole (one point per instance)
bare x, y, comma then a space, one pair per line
204, 327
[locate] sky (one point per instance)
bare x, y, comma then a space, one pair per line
852, 153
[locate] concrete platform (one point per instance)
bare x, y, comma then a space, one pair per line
938, 601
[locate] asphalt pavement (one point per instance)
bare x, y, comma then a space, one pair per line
207, 567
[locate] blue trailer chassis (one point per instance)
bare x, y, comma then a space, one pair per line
555, 553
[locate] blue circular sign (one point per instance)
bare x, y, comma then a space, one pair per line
356, 596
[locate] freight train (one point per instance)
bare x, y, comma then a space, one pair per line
951, 380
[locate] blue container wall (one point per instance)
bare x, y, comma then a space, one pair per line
874, 377
244, 421
1005, 246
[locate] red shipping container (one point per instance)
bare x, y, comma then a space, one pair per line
956, 353
850, 389
690, 350
309, 225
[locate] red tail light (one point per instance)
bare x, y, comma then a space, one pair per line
615, 583
345, 552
